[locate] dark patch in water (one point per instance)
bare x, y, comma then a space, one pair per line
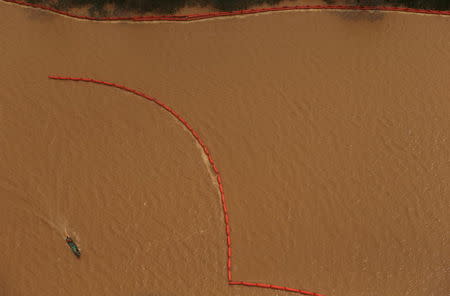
362, 15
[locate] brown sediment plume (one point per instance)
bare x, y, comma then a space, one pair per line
331, 140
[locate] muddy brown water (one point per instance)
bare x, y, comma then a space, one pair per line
330, 129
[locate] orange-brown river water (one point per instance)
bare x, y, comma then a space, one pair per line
331, 130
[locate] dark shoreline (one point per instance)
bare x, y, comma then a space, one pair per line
97, 7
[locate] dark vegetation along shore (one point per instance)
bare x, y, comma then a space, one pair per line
97, 7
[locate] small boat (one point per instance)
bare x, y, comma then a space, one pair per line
73, 246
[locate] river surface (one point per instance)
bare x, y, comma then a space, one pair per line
331, 130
